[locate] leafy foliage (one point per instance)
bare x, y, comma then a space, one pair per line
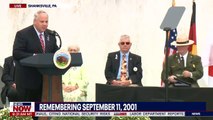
5, 115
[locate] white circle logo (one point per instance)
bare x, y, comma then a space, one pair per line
135, 69
62, 59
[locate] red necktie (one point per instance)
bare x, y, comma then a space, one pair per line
42, 43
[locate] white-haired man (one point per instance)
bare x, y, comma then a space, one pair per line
123, 68
30, 41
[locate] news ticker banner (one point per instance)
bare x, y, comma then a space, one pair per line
44, 5
105, 109
32, 5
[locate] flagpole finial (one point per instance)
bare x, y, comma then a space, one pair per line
173, 3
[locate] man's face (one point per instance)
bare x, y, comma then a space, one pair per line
41, 22
125, 45
73, 50
182, 49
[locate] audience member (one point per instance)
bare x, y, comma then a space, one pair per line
9, 90
74, 81
123, 68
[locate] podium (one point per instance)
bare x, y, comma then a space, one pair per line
52, 76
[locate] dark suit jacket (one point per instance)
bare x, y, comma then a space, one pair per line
8, 72
193, 64
134, 67
25, 45
7, 77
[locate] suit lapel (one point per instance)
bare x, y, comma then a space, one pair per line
178, 59
189, 59
13, 70
36, 40
117, 61
130, 62
47, 39
12, 66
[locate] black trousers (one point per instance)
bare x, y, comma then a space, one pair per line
30, 95
12, 94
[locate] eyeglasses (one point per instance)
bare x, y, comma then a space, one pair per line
122, 43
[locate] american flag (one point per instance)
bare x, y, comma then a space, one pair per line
171, 49
172, 37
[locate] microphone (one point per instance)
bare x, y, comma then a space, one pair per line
54, 33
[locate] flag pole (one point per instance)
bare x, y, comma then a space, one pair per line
192, 31
166, 60
173, 3
166, 63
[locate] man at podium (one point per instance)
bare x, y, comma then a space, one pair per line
28, 42
123, 68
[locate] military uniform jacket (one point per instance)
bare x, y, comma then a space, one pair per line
193, 64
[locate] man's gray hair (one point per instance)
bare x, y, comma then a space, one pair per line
124, 36
39, 12
74, 46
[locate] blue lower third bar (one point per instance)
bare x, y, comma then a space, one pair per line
204, 114
172, 106
121, 106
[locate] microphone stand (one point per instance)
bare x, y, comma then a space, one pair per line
167, 29
170, 21
56, 34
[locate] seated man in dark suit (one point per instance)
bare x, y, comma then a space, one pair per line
9, 89
123, 68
